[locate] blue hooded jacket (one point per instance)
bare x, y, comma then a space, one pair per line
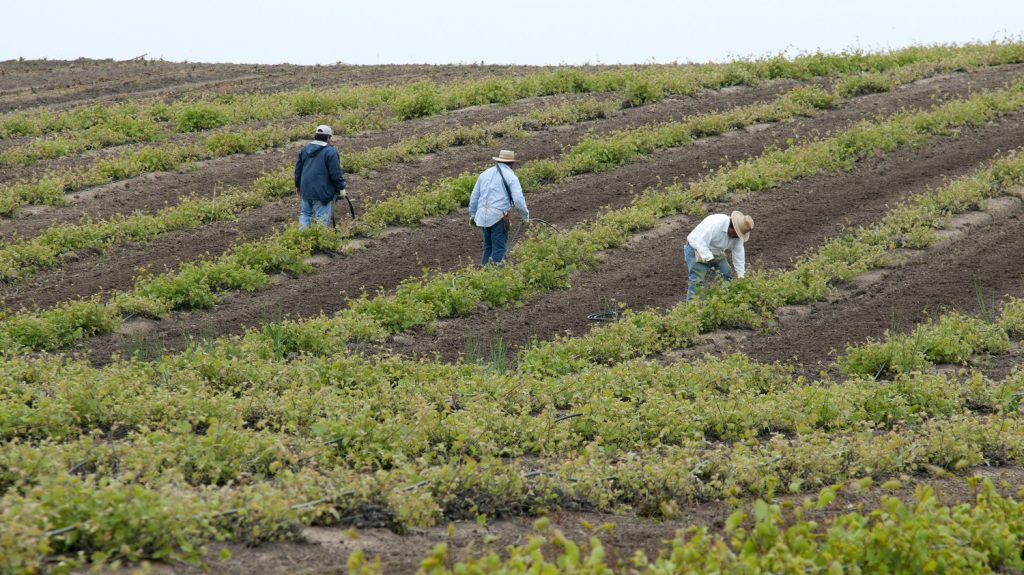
318, 173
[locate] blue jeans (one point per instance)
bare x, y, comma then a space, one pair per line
495, 243
698, 271
321, 210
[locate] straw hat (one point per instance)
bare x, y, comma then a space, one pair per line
742, 224
506, 156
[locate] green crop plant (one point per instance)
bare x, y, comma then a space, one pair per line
139, 121
548, 260
919, 536
1012, 318
953, 338
751, 302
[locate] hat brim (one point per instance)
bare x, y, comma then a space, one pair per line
504, 161
737, 219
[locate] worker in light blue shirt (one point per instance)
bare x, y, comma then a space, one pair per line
494, 194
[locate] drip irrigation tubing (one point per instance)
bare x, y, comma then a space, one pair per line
306, 504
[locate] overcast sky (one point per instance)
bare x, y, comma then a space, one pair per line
503, 31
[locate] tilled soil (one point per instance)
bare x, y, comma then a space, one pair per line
791, 220
444, 244
980, 270
151, 192
64, 84
114, 268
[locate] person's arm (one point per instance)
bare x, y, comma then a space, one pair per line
699, 239
334, 171
298, 172
517, 196
474, 198
739, 259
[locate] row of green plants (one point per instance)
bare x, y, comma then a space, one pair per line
50, 188
247, 266
952, 338
752, 301
428, 199
135, 515
415, 414
207, 421
549, 259
546, 261
22, 257
922, 535
468, 410
269, 481
643, 84
98, 127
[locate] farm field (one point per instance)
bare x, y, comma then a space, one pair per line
191, 384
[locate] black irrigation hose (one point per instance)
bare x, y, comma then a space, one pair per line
522, 224
606, 315
351, 210
305, 504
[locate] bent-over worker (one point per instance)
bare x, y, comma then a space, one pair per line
319, 179
496, 190
706, 245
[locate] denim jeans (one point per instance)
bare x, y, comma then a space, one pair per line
698, 271
321, 210
495, 243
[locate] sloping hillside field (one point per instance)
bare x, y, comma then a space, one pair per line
190, 383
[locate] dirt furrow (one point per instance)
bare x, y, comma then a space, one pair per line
648, 273
151, 192
791, 220
981, 269
114, 268
86, 82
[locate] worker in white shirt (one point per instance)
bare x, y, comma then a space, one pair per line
706, 246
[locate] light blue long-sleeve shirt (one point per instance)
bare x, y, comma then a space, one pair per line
489, 202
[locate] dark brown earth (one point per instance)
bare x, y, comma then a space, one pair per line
792, 219
326, 550
981, 269
115, 267
57, 83
444, 244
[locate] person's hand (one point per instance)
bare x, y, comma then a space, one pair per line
472, 223
298, 192
342, 194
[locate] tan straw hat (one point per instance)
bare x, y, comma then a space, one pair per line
742, 224
507, 156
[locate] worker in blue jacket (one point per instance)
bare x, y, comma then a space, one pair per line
319, 180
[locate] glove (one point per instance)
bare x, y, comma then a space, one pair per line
701, 259
472, 223
342, 194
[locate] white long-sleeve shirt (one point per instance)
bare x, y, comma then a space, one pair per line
710, 239
489, 201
